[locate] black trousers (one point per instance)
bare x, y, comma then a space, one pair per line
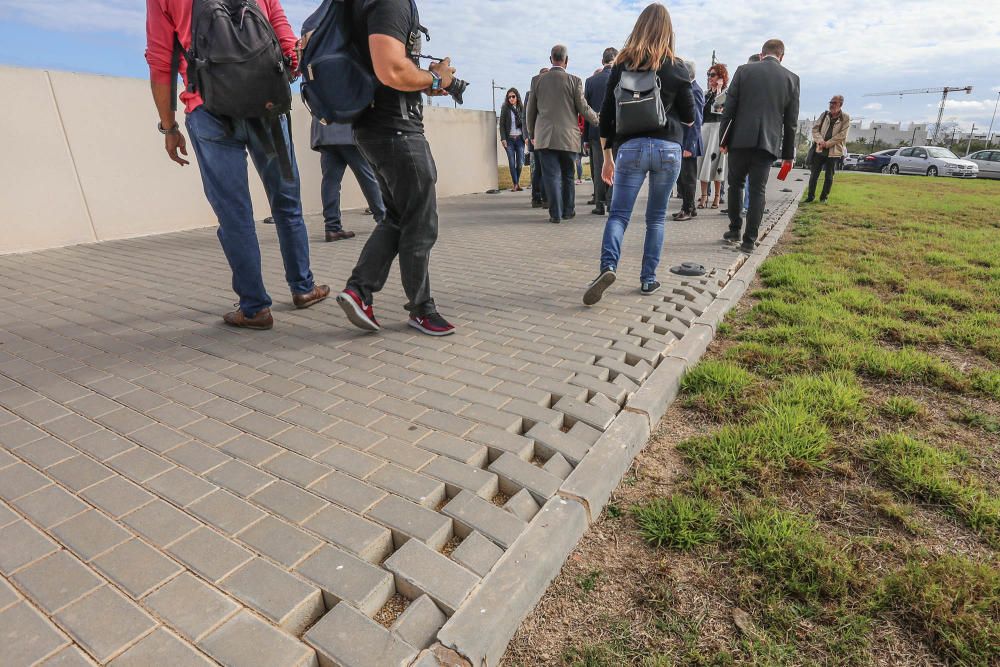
756, 164
537, 182
558, 172
687, 183
602, 191
406, 174
822, 164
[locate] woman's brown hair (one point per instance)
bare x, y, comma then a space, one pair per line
722, 72
651, 42
516, 94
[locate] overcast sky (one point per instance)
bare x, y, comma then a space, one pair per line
850, 47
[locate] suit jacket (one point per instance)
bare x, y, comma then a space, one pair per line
692, 133
556, 101
762, 109
841, 128
594, 91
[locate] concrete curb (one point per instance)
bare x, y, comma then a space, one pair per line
481, 629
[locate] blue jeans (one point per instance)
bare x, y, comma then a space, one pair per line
222, 159
515, 158
636, 158
334, 161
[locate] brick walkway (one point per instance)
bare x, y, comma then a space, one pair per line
176, 492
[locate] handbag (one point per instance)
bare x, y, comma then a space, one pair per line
638, 105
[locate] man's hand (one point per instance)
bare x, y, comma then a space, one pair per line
444, 70
608, 172
504, 144
686, 153
174, 142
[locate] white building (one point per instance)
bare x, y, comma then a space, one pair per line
892, 134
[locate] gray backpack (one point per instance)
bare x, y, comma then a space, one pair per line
638, 105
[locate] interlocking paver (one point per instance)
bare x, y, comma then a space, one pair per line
209, 554
279, 540
56, 580
407, 520
160, 523
419, 623
346, 637
226, 512
284, 599
420, 570
28, 636
477, 553
248, 641
136, 567
349, 531
190, 606
78, 472
117, 496
90, 534
105, 623
342, 576
19, 480
161, 647
22, 544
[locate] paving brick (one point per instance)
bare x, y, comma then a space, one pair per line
477, 553
419, 623
586, 433
20, 479
8, 595
161, 647
56, 580
117, 496
139, 464
457, 476
285, 600
240, 478
408, 520
516, 474
533, 414
346, 638
348, 492
190, 606
125, 421
225, 511
211, 431
499, 442
550, 441
558, 465
591, 415
90, 534
43, 453
247, 641
71, 656
343, 577
18, 433
103, 444
160, 523
455, 448
180, 487
419, 570
280, 541
136, 567
352, 533
296, 468
401, 453
615, 392
353, 434
28, 636
289, 501
105, 623
399, 429
209, 554
471, 512
351, 461
419, 488
446, 421
175, 415
560, 389
522, 505
251, 449
636, 373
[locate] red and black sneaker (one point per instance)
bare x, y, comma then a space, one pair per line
432, 324
360, 314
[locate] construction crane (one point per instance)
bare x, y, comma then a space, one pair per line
924, 91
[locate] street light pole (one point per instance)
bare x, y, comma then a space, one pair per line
968, 147
989, 134
495, 87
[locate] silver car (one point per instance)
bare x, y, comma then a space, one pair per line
988, 163
932, 161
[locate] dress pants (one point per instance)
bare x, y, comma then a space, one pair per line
537, 181
334, 161
602, 191
755, 163
687, 183
557, 172
821, 163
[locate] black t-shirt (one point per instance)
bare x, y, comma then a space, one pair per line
393, 110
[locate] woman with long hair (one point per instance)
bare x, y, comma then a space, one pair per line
512, 135
631, 155
712, 163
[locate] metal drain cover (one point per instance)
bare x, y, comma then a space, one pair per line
688, 269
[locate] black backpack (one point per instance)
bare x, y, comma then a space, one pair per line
638, 105
338, 83
236, 64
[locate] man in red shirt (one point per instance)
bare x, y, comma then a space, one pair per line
221, 146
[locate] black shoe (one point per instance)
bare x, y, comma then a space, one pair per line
554, 220
595, 290
599, 210
731, 237
590, 202
650, 288
809, 200
535, 203
682, 216
747, 247
268, 220
432, 325
569, 216
822, 200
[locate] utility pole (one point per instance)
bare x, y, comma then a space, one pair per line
989, 134
713, 57
874, 137
495, 87
913, 139
968, 147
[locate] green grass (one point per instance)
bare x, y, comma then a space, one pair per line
678, 522
901, 408
717, 387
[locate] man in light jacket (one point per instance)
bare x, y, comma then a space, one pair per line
555, 104
830, 134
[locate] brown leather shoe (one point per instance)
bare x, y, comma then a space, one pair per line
261, 321
339, 236
318, 293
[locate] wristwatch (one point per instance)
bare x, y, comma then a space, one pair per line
436, 81
174, 130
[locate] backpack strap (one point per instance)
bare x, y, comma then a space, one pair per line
271, 136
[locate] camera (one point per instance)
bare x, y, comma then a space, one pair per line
457, 87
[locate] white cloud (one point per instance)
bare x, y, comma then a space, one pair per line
874, 106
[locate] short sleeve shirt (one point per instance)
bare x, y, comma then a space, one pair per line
393, 110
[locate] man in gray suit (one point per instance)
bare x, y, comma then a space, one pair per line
556, 101
335, 142
758, 125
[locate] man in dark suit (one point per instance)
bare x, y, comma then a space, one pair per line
556, 102
594, 91
538, 198
692, 148
758, 125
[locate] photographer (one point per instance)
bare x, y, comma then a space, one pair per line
391, 136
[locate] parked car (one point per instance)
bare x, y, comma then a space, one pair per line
932, 161
851, 161
988, 163
878, 162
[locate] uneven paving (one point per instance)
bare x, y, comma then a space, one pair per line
175, 492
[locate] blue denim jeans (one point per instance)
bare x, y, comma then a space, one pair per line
222, 159
636, 158
515, 158
334, 161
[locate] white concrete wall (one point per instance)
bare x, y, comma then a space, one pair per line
82, 162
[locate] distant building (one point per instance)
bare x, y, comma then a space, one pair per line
892, 134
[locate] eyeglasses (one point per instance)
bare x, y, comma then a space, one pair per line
512, 97
833, 102
713, 75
